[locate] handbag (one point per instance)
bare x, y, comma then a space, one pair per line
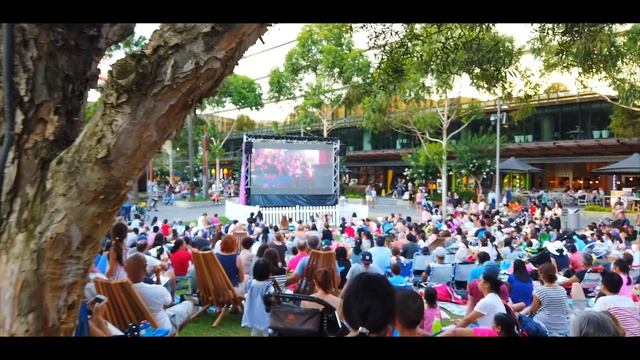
287, 318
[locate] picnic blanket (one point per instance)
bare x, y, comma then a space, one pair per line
455, 309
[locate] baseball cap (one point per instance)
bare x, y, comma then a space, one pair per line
366, 257
440, 252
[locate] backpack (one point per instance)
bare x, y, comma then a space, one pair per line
446, 293
532, 327
526, 326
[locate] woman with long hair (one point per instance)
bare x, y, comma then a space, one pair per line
521, 285
117, 251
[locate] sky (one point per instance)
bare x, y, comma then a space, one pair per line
257, 65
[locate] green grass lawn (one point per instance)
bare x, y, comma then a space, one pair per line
201, 326
230, 326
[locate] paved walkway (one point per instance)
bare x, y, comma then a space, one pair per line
383, 208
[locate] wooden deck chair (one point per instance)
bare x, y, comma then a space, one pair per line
214, 286
317, 260
239, 235
124, 305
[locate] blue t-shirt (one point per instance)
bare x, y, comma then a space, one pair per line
381, 257
520, 291
476, 273
398, 280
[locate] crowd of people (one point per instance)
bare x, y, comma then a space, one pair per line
528, 274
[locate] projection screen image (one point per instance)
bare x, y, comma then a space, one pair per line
291, 168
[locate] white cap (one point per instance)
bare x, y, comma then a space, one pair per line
440, 252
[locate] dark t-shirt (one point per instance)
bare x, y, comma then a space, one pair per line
343, 267
282, 250
327, 235
409, 249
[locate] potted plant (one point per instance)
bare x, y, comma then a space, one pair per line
605, 133
596, 134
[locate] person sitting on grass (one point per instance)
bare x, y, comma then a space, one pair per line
368, 305
621, 307
397, 279
490, 305
503, 325
432, 322
409, 313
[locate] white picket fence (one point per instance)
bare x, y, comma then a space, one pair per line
272, 215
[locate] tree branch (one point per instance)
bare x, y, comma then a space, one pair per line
630, 107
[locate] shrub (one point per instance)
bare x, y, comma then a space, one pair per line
467, 195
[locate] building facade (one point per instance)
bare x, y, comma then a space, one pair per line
567, 136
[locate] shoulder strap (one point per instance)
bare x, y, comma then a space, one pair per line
516, 319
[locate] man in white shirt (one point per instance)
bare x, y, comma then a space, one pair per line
621, 307
366, 260
135, 224
156, 297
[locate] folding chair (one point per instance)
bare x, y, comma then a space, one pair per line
317, 260
462, 272
420, 263
407, 269
441, 274
214, 286
124, 305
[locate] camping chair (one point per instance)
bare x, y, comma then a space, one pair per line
125, 306
462, 273
441, 274
420, 263
406, 269
317, 260
214, 286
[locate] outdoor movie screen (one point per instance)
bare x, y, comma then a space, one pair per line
291, 168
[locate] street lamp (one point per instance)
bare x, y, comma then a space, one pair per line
494, 120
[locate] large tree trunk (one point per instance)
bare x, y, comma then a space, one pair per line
62, 190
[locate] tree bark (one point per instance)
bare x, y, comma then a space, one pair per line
62, 190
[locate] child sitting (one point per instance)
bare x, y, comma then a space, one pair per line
432, 318
395, 256
409, 313
255, 315
396, 279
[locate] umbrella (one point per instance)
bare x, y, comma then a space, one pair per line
630, 165
513, 165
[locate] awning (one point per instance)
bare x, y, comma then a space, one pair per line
513, 165
630, 165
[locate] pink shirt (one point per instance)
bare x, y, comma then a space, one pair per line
626, 289
293, 265
484, 332
430, 314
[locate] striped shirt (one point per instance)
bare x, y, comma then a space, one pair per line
624, 310
554, 308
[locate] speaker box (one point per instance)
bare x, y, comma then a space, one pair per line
248, 147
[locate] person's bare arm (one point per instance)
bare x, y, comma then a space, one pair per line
475, 315
240, 269
113, 263
458, 332
571, 280
535, 305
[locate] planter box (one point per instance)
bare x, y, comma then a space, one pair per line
596, 134
605, 134
529, 138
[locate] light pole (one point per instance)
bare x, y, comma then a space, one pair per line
498, 118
